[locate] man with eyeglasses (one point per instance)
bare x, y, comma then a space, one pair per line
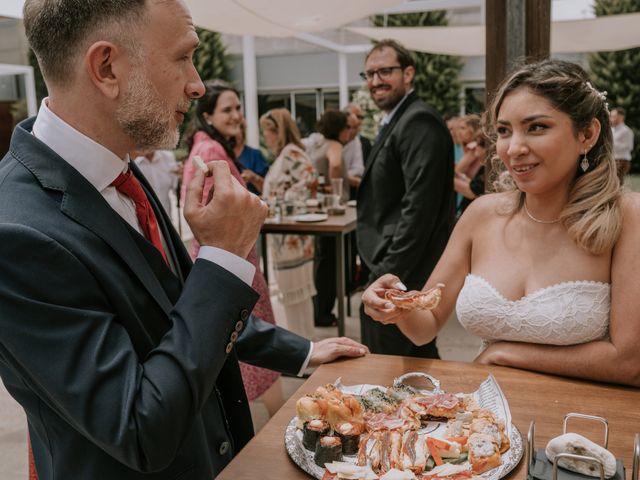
406, 199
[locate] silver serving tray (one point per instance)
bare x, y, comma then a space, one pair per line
304, 458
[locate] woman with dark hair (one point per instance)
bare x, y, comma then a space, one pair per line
324, 148
215, 126
546, 270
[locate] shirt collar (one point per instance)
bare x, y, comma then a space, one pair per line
93, 161
388, 116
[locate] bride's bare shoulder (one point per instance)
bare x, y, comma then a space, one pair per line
490, 206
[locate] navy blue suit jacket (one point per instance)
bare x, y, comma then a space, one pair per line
125, 369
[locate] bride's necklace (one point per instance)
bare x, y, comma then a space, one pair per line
537, 220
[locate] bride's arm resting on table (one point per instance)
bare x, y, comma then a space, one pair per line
616, 360
421, 326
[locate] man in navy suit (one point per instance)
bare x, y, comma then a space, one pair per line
122, 352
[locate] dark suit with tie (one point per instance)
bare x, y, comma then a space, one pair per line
366, 149
125, 368
405, 210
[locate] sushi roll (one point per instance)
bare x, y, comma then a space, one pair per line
328, 449
312, 431
349, 433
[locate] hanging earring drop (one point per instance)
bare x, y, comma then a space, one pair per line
584, 164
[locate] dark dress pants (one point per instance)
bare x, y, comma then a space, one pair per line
325, 280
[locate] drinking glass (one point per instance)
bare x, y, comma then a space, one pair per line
336, 187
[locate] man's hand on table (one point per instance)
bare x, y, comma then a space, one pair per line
330, 349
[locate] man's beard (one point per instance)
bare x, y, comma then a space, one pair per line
144, 116
389, 103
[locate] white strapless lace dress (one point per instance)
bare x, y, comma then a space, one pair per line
566, 313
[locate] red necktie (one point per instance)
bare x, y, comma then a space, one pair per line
129, 185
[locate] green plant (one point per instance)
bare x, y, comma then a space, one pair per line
211, 62
211, 59
617, 73
372, 114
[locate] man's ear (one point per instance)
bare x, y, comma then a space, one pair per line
590, 135
409, 73
106, 66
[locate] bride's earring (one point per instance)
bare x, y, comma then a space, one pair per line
584, 164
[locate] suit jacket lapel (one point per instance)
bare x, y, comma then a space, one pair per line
83, 203
387, 131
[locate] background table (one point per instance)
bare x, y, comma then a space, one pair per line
531, 396
337, 226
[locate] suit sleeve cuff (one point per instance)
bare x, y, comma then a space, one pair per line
234, 264
305, 364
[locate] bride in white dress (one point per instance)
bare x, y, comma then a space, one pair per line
547, 273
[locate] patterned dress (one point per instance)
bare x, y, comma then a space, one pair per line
256, 380
292, 255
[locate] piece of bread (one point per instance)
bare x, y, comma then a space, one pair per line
414, 299
494, 430
200, 164
579, 445
483, 453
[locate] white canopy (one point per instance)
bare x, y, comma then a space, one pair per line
281, 18
615, 32
264, 18
11, 8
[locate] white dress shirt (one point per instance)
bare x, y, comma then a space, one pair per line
100, 167
352, 155
388, 116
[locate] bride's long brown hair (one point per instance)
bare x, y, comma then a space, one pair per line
592, 214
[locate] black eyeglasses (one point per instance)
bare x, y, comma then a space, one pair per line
383, 73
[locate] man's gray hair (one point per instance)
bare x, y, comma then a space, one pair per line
58, 30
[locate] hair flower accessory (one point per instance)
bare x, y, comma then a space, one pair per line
602, 95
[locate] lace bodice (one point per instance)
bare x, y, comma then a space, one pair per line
566, 313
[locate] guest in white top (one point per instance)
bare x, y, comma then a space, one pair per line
622, 141
161, 171
545, 272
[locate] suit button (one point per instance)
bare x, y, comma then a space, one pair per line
224, 448
239, 326
234, 336
244, 314
229, 347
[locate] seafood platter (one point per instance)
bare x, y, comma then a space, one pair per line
402, 432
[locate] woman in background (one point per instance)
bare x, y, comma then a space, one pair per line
472, 188
289, 178
217, 122
324, 148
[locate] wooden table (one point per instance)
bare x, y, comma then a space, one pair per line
531, 396
336, 226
